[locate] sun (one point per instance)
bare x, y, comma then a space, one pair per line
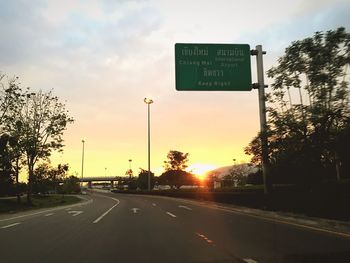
200, 169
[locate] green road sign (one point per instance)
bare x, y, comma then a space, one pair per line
212, 67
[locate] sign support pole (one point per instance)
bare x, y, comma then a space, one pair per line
262, 112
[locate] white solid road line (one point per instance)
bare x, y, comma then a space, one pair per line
14, 224
49, 214
104, 214
109, 210
185, 207
153, 204
170, 214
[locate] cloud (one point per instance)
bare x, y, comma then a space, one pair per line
21, 31
275, 38
74, 31
77, 47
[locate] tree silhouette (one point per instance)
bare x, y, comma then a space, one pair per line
142, 180
176, 161
308, 108
175, 174
36, 121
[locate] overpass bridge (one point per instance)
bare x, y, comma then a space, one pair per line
111, 179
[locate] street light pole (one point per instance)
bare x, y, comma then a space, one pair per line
149, 102
82, 160
130, 171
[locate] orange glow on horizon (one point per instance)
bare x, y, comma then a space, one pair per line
200, 170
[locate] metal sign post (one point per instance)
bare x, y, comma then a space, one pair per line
258, 52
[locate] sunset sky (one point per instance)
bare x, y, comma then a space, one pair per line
104, 57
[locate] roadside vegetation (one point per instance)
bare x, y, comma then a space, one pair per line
10, 205
32, 124
309, 112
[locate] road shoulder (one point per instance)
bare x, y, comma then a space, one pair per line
333, 227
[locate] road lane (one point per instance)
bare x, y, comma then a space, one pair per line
151, 234
263, 240
156, 236
38, 237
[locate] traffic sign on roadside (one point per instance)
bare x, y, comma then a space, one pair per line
216, 67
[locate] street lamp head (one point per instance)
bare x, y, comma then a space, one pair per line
130, 160
148, 100
83, 140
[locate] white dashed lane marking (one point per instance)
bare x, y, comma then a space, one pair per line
49, 214
249, 260
209, 241
75, 213
170, 214
185, 207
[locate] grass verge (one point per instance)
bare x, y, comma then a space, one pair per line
11, 205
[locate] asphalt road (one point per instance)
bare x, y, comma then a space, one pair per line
128, 228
